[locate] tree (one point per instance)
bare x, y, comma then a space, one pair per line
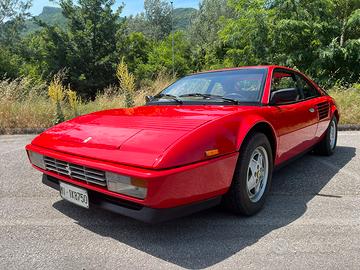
246, 37
12, 16
91, 32
340, 59
138, 23
204, 33
320, 37
207, 21
160, 58
155, 22
136, 52
9, 63
347, 14
43, 53
158, 16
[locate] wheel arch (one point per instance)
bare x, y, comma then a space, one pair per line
261, 127
336, 114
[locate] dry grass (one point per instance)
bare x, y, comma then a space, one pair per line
160, 82
26, 114
348, 101
23, 105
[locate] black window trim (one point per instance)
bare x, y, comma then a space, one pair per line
293, 73
251, 103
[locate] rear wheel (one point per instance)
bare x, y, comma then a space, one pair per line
327, 145
252, 177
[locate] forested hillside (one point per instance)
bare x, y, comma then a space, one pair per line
321, 38
87, 41
49, 15
53, 16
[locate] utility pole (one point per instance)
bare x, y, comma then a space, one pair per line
172, 38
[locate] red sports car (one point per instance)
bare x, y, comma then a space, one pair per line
208, 138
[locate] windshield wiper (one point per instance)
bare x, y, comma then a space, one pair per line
175, 98
210, 97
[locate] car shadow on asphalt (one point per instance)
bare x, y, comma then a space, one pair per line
209, 237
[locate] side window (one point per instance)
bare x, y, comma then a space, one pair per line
284, 88
282, 80
308, 91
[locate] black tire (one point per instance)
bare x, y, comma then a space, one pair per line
237, 198
324, 147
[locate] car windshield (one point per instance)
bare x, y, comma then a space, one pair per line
231, 86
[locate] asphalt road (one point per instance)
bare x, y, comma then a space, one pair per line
311, 221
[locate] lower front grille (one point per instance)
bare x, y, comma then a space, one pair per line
78, 172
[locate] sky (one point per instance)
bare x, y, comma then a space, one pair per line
131, 6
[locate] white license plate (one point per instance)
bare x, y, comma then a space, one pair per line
74, 194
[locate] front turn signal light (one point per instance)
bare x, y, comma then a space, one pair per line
212, 152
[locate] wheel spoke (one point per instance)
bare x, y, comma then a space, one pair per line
252, 166
260, 160
257, 188
251, 183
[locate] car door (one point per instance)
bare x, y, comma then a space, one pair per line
296, 119
320, 103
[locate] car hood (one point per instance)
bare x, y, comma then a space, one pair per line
139, 136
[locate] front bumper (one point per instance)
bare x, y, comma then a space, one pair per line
168, 188
137, 211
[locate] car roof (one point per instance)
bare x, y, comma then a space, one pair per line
243, 67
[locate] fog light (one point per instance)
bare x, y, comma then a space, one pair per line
37, 159
126, 185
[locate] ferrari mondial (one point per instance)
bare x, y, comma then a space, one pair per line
209, 138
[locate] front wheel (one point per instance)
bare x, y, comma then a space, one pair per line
327, 145
252, 177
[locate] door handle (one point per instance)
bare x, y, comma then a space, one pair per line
311, 110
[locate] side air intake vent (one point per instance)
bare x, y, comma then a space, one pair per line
323, 109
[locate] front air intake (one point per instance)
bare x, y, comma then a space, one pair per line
74, 171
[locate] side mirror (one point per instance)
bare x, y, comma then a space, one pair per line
284, 96
148, 98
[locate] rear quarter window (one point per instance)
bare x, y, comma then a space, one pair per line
307, 89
